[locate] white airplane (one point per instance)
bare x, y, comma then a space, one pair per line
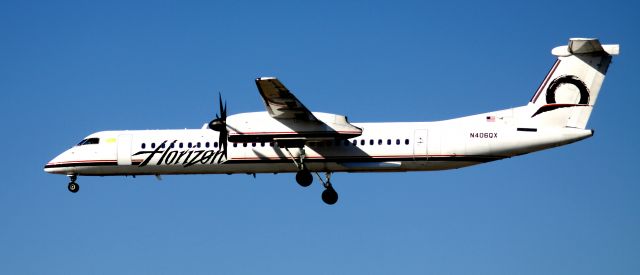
288, 137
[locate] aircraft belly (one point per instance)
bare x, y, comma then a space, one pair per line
283, 166
179, 169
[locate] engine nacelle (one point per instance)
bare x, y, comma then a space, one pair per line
261, 127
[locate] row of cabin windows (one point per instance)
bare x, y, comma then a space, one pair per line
361, 142
345, 142
182, 145
254, 144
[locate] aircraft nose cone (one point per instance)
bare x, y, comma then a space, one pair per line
49, 167
56, 165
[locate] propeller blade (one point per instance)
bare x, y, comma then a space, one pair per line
224, 111
221, 109
219, 124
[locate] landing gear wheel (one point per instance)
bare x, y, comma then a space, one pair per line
329, 195
73, 187
304, 178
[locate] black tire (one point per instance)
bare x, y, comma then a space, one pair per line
304, 178
73, 187
330, 196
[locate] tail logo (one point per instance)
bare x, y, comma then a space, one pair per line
568, 79
551, 94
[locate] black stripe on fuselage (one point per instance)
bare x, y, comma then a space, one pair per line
78, 164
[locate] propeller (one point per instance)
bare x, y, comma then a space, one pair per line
219, 124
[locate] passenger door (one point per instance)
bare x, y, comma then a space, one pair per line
124, 150
420, 144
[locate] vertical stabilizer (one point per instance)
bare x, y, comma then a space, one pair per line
568, 93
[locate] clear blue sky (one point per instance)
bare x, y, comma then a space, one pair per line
68, 69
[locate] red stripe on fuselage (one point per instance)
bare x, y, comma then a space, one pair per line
363, 157
80, 161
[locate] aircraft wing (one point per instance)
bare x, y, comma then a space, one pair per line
288, 121
280, 103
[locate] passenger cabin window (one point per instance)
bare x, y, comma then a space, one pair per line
153, 145
143, 146
406, 141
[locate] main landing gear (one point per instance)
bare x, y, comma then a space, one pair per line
73, 186
329, 195
304, 178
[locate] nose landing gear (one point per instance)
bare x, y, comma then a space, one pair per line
73, 186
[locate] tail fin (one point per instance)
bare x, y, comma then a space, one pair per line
567, 95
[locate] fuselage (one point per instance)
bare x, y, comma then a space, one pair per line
289, 137
382, 147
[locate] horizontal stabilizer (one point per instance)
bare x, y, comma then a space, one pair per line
585, 46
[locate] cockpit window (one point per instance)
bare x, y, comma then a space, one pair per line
89, 141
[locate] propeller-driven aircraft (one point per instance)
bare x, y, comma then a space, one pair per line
289, 138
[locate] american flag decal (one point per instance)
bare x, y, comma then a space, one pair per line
491, 119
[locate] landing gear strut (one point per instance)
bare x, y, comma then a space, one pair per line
73, 186
303, 176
